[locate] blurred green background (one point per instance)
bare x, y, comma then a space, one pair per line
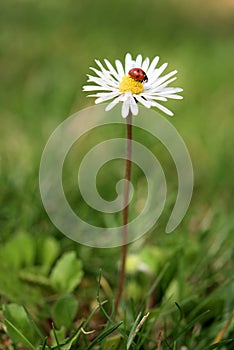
46, 48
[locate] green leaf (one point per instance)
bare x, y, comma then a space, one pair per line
19, 251
12, 286
64, 311
18, 325
67, 273
48, 251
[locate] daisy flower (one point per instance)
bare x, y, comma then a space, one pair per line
136, 81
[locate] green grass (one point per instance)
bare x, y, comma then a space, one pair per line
45, 51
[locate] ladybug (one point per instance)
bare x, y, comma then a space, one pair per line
138, 74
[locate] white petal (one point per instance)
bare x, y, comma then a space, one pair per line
103, 94
100, 65
95, 80
138, 61
133, 105
120, 69
174, 96
149, 87
97, 101
143, 101
102, 82
128, 63
162, 108
101, 74
170, 90
106, 97
113, 103
154, 97
152, 65
106, 76
126, 105
125, 109
96, 88
155, 75
145, 64
111, 69
93, 95
164, 78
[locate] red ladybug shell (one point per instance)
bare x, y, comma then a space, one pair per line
138, 74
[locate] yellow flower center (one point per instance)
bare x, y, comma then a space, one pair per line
132, 85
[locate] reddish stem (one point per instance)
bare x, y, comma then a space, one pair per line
125, 212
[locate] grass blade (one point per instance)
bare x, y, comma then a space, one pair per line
191, 324
34, 325
20, 334
220, 344
132, 332
55, 337
104, 334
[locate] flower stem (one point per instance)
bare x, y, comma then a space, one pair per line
125, 212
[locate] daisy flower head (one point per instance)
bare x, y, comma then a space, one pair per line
135, 81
